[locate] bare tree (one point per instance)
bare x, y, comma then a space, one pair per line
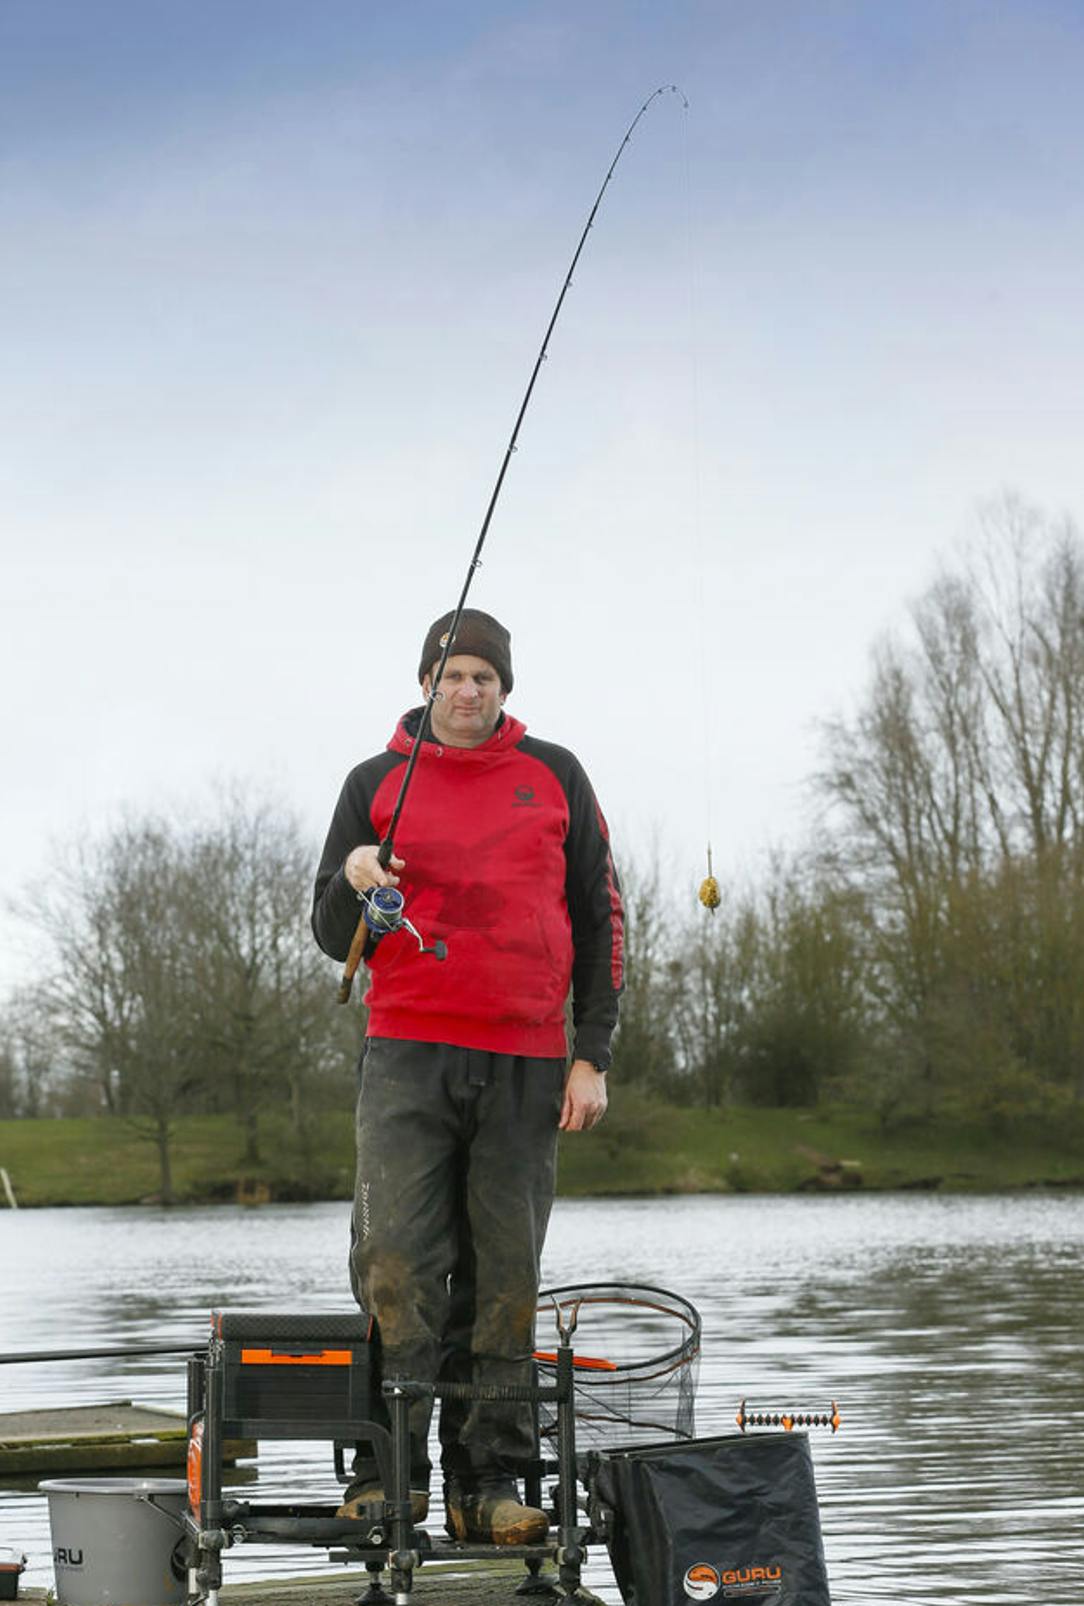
121, 1002
184, 967
958, 798
31, 1065
803, 1024
267, 1001
644, 1045
1028, 582
712, 979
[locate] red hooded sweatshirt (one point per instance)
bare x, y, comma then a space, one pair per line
508, 860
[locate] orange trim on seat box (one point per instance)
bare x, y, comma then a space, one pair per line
268, 1357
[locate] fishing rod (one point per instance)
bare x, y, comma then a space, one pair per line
388, 920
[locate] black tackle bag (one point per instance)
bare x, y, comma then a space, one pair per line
732, 1519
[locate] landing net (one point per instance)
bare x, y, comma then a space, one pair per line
637, 1353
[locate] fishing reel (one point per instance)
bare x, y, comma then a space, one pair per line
382, 911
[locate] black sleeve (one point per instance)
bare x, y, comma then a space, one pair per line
598, 924
594, 906
335, 907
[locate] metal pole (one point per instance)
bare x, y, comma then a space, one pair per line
570, 1553
402, 1560
22, 1357
211, 1537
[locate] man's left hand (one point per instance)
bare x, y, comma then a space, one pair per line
585, 1097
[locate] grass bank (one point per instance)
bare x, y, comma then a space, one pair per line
642, 1148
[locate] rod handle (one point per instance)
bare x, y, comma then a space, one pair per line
353, 960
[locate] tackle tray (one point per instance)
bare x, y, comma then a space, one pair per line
294, 1376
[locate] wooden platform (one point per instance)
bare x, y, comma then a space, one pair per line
459, 1584
99, 1438
483, 1583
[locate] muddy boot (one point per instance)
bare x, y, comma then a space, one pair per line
493, 1514
366, 1502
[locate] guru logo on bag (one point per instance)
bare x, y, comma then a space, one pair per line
752, 1583
702, 1581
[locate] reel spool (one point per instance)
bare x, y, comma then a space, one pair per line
382, 911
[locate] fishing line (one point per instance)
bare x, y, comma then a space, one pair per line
386, 848
709, 893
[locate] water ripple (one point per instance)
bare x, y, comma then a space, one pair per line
948, 1329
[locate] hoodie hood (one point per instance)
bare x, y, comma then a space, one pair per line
508, 734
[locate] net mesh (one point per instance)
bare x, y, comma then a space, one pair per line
637, 1355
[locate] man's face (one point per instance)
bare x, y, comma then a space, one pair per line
469, 701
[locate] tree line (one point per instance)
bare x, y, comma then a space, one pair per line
924, 954
182, 979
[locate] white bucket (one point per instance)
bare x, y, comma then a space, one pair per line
114, 1540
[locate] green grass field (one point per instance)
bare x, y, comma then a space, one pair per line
642, 1148
107, 1161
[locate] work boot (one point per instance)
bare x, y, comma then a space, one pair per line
367, 1503
493, 1514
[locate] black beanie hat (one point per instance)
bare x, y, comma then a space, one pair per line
478, 634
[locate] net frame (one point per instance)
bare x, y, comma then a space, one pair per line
620, 1401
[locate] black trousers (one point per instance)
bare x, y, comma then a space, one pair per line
456, 1161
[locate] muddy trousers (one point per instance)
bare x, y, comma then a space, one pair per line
456, 1152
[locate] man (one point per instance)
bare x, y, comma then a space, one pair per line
503, 854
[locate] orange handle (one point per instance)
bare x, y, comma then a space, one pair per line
590, 1363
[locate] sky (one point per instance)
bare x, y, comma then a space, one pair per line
272, 280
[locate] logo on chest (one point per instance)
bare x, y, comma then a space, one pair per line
524, 798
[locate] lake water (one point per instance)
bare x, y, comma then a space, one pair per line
949, 1329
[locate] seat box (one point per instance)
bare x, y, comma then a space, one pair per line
296, 1376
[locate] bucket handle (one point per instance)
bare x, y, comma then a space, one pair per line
173, 1518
